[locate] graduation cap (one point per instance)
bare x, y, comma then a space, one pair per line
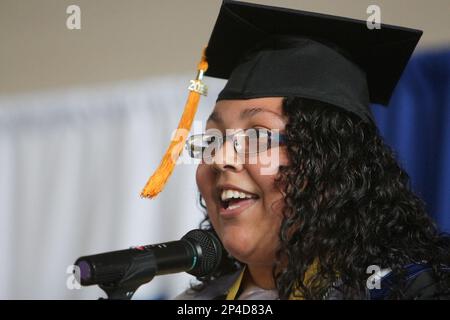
267, 51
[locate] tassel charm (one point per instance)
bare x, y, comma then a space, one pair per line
198, 85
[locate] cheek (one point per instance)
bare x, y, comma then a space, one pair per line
272, 196
205, 181
265, 178
200, 178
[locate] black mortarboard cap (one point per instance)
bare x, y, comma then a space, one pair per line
266, 51
269, 51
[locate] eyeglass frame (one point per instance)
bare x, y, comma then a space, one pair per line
279, 138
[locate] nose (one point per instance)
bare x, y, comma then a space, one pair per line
226, 158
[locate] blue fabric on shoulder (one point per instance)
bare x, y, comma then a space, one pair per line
413, 270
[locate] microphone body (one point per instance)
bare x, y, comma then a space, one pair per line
198, 253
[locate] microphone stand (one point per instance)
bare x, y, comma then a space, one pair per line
117, 292
135, 276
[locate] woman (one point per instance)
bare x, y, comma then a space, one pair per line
337, 207
339, 204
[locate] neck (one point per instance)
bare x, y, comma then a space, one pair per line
260, 276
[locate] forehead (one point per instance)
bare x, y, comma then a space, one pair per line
230, 110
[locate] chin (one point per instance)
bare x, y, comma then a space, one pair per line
238, 243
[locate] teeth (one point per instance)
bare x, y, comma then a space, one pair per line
230, 194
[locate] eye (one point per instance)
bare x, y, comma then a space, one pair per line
264, 140
209, 139
197, 144
255, 140
209, 143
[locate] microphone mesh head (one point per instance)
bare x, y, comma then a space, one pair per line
209, 251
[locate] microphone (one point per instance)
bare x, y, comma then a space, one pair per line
199, 252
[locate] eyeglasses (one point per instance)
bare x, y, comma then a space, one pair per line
245, 142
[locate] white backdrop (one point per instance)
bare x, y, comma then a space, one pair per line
72, 165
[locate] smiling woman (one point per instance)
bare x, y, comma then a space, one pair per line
336, 203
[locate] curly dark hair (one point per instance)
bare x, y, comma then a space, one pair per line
348, 205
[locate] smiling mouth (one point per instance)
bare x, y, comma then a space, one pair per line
233, 202
231, 209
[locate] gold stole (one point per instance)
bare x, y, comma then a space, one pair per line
234, 289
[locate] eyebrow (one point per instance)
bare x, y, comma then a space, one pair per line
245, 114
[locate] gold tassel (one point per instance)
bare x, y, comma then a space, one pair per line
159, 178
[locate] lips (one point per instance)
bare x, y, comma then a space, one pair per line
233, 206
223, 187
236, 208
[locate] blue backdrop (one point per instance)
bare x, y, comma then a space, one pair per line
417, 126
